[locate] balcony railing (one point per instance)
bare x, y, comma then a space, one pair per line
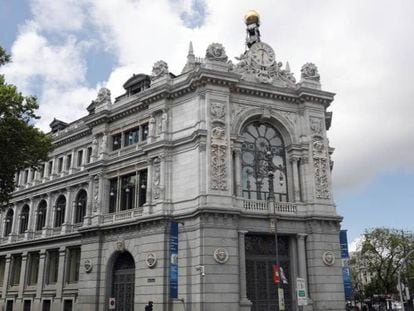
262, 207
122, 215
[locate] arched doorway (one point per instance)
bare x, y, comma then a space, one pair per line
123, 282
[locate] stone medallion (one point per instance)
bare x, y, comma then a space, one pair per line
221, 255
328, 258
88, 265
151, 260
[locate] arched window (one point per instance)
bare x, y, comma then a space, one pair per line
41, 215
263, 151
60, 211
8, 222
24, 219
80, 207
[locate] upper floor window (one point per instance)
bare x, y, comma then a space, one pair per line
72, 271
26, 176
50, 168
8, 222
263, 152
80, 158
2, 268
89, 155
60, 211
131, 137
116, 141
42, 171
24, 219
68, 161
144, 132
60, 165
16, 265
80, 208
41, 215
33, 268
52, 266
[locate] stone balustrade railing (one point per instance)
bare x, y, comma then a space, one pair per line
262, 207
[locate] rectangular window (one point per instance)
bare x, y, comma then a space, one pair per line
142, 198
52, 266
116, 141
50, 168
131, 137
27, 305
46, 305
2, 267
60, 165
113, 191
33, 269
128, 184
16, 266
9, 305
68, 162
67, 305
26, 176
89, 155
144, 134
80, 158
73, 265
42, 171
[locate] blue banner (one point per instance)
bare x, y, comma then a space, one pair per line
173, 260
346, 271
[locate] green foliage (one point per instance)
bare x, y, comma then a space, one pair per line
382, 253
21, 144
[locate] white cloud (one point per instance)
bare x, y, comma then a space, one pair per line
361, 49
356, 244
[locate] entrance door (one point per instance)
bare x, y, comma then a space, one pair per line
260, 258
123, 282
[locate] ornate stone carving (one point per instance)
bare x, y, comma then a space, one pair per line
156, 190
151, 260
219, 167
88, 265
216, 52
164, 121
95, 192
309, 71
217, 111
218, 133
321, 169
120, 245
291, 116
319, 150
316, 126
236, 110
328, 258
104, 96
103, 145
159, 70
221, 255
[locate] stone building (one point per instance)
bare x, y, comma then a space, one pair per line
202, 150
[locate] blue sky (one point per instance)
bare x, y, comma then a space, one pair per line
64, 51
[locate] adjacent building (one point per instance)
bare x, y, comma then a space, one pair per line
190, 158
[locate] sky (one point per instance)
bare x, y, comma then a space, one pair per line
64, 51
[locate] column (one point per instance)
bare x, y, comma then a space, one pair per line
245, 303
66, 226
30, 226
21, 178
302, 169
293, 257
22, 275
42, 263
302, 270
237, 175
147, 209
294, 162
49, 215
6, 275
162, 177
60, 279
15, 223
88, 215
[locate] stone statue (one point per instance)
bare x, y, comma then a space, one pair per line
164, 120
151, 127
216, 52
309, 71
104, 96
103, 144
159, 70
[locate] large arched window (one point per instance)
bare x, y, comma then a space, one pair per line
80, 207
60, 211
8, 222
24, 219
263, 151
41, 215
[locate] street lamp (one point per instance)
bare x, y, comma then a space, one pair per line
272, 202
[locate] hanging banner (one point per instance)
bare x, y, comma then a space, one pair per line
173, 260
276, 274
301, 292
281, 295
346, 271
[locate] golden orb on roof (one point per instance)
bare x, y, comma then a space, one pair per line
251, 17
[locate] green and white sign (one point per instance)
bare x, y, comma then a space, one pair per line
301, 292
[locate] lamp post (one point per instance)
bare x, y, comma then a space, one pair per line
272, 202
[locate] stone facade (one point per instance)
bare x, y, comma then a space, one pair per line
174, 148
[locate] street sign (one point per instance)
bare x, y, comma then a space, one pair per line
112, 303
301, 292
281, 296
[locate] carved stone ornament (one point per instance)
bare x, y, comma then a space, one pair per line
216, 52
156, 179
159, 70
120, 245
321, 169
221, 255
88, 265
309, 71
104, 96
328, 258
217, 111
218, 159
151, 260
316, 126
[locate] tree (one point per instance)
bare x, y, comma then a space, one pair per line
21, 144
382, 253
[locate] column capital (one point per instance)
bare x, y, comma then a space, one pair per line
301, 235
294, 158
242, 232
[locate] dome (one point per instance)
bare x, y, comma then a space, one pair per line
251, 17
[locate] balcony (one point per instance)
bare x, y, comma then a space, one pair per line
263, 208
121, 216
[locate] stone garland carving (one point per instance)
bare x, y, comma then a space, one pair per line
321, 169
216, 52
218, 159
217, 111
159, 70
156, 190
95, 192
316, 126
309, 71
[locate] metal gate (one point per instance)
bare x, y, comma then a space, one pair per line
260, 258
123, 282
